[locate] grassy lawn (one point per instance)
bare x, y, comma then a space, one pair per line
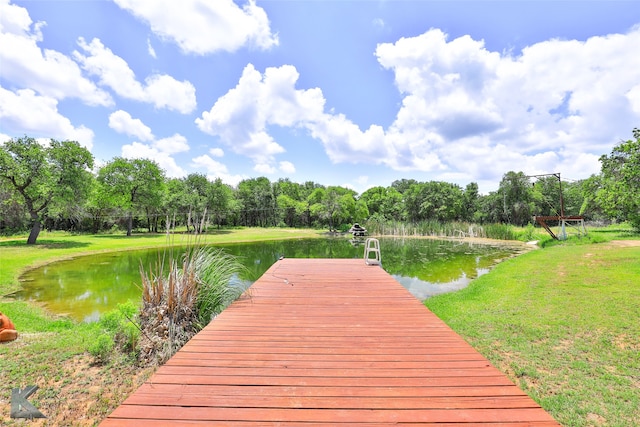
51, 352
564, 323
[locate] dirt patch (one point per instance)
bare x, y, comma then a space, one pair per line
625, 243
595, 419
82, 396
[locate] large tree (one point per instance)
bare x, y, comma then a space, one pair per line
258, 202
133, 185
334, 206
44, 175
620, 192
197, 190
517, 198
383, 202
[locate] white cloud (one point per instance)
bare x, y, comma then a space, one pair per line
557, 105
166, 92
242, 116
212, 166
137, 150
47, 72
216, 152
122, 122
216, 170
16, 20
172, 145
38, 115
151, 50
379, 23
264, 168
345, 142
362, 180
161, 90
634, 98
160, 150
202, 26
287, 167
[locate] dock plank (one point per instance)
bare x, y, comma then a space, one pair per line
326, 342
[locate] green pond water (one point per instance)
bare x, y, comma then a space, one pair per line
85, 287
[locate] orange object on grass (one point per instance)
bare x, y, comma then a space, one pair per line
7, 329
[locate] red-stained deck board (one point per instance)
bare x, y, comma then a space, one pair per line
326, 342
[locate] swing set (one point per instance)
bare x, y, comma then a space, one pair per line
575, 221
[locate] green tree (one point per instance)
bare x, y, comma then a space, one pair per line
333, 206
289, 208
413, 199
13, 215
441, 201
197, 193
361, 212
133, 185
490, 208
258, 202
573, 197
98, 205
434, 200
620, 192
289, 201
175, 201
402, 185
374, 199
517, 198
220, 201
471, 200
45, 175
384, 202
590, 208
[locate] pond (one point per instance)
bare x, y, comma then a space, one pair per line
85, 287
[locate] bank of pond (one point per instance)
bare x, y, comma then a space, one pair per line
85, 287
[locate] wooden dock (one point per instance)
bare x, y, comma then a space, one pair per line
328, 342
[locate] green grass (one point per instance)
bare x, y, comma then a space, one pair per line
564, 323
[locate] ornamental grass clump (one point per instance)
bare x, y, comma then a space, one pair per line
178, 304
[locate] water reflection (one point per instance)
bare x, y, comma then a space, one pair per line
88, 286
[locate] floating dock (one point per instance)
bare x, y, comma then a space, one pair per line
328, 342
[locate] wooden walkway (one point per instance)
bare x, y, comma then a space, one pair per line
328, 342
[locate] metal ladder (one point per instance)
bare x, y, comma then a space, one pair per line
372, 247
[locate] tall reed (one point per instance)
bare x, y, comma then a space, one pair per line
179, 303
216, 274
434, 228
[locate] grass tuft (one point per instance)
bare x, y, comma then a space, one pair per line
178, 304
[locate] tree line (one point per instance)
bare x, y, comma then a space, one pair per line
52, 186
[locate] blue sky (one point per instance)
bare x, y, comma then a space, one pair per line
354, 93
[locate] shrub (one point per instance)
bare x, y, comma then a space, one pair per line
177, 305
121, 325
499, 231
101, 348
